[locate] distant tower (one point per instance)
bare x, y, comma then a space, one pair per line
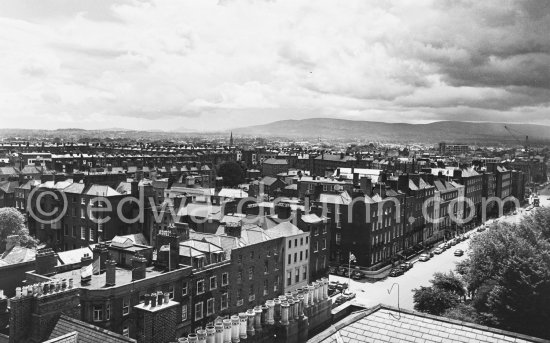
231, 139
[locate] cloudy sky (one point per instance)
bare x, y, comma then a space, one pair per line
217, 64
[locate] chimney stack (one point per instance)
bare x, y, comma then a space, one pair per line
366, 185
233, 229
46, 261
101, 252
110, 275
139, 264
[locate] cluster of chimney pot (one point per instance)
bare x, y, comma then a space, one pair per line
284, 310
43, 288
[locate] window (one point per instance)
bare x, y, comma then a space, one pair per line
288, 278
82, 232
91, 236
66, 229
240, 259
210, 307
301, 255
296, 242
266, 267
183, 312
74, 231
305, 273
184, 288
82, 213
306, 253
225, 279
200, 287
251, 290
289, 259
301, 241
265, 287
324, 229
297, 275
108, 311
198, 311
240, 276
224, 303
213, 283
307, 239
324, 243
316, 246
289, 244
338, 239
98, 313
125, 306
276, 284
171, 292
252, 254
295, 257
250, 273
126, 331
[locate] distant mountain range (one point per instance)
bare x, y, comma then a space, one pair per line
442, 131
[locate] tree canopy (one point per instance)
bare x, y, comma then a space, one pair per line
507, 278
232, 174
13, 223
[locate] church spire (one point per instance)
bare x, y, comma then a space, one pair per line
231, 139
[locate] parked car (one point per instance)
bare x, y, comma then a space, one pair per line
481, 228
438, 251
406, 266
448, 245
459, 252
442, 247
357, 275
424, 257
396, 272
454, 241
332, 270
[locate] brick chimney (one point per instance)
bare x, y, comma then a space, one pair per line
85, 261
110, 274
77, 177
233, 229
46, 261
102, 252
365, 184
139, 263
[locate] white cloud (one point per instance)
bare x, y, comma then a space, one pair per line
155, 64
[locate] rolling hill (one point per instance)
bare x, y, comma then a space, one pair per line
449, 131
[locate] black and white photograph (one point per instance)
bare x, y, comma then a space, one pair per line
274, 171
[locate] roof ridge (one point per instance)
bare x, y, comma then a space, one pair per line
462, 323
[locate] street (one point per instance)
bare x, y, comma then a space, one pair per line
373, 293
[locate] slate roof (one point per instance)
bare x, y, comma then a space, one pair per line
18, 254
341, 199
232, 193
9, 186
330, 157
8, 171
87, 333
72, 256
275, 161
284, 229
387, 324
268, 180
101, 190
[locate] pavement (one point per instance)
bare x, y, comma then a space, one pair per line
373, 293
